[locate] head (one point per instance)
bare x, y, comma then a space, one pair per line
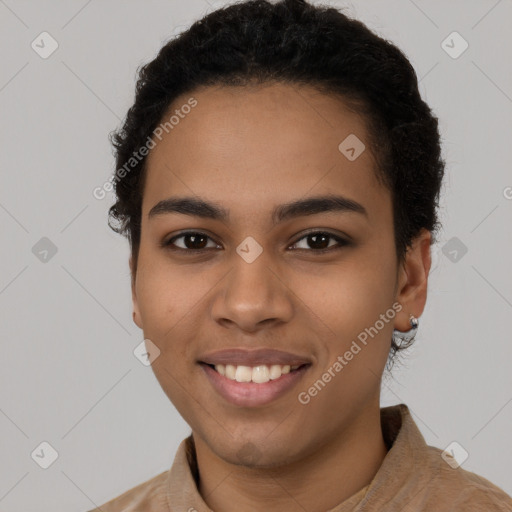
298, 127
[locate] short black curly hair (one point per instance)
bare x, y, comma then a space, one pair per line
296, 43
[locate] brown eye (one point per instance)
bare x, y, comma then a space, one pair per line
191, 241
319, 241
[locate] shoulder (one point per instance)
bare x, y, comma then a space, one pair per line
460, 489
149, 496
425, 478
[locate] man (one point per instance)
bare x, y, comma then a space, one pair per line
280, 225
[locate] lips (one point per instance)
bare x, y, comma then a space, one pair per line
255, 357
251, 394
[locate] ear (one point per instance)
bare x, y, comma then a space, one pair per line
413, 280
136, 311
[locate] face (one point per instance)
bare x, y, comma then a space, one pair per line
307, 280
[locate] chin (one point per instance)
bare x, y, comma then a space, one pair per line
259, 452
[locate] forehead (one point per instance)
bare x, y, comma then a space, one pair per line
251, 145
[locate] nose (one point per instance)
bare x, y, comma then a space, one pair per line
253, 296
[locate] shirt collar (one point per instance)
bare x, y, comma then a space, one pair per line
405, 443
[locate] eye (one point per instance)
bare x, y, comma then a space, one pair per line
196, 241
319, 241
192, 241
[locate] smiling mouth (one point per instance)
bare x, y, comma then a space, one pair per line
246, 386
258, 374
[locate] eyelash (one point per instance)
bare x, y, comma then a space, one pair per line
341, 242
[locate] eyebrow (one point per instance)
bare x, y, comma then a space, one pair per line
302, 207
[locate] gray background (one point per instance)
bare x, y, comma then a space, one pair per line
68, 375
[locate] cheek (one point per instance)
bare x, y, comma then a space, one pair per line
355, 341
171, 300
160, 300
348, 298
166, 302
344, 305
164, 291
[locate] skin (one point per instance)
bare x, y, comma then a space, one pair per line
250, 149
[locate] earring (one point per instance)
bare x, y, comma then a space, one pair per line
405, 337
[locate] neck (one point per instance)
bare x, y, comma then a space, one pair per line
318, 482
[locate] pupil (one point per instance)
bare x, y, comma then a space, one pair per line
319, 245
317, 241
193, 239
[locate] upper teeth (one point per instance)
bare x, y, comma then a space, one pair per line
258, 374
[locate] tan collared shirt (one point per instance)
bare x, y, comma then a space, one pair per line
412, 477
